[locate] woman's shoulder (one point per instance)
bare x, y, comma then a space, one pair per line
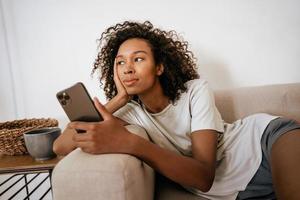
193, 88
129, 107
196, 84
129, 112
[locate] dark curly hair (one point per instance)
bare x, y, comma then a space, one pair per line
179, 63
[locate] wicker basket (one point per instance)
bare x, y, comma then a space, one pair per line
11, 134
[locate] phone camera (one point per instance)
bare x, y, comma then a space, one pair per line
60, 96
66, 96
64, 102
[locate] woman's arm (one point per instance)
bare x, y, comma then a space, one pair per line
109, 136
197, 171
64, 144
116, 103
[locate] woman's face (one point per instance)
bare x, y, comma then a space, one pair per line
136, 66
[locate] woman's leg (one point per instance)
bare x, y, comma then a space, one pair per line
285, 165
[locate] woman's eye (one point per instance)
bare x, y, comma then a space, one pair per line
139, 59
120, 62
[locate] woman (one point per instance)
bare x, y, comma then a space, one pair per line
151, 81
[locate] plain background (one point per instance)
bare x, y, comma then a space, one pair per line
48, 45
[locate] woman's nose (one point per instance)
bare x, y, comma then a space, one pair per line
129, 69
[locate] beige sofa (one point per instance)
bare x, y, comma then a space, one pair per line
124, 177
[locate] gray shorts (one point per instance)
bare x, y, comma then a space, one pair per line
260, 186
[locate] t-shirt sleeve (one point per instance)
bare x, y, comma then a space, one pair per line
126, 113
204, 113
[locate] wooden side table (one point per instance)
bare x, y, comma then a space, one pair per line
21, 166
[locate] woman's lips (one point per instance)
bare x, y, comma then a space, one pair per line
130, 82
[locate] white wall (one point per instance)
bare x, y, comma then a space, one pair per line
7, 102
52, 44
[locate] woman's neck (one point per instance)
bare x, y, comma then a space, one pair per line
155, 100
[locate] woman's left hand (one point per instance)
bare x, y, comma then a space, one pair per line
107, 136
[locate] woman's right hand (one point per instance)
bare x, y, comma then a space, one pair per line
122, 96
122, 93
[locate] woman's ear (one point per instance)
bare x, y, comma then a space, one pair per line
159, 69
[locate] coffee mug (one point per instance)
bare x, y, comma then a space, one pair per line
39, 142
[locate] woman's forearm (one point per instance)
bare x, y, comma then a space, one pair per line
115, 104
184, 170
64, 144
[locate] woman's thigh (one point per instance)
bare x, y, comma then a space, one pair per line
285, 165
262, 184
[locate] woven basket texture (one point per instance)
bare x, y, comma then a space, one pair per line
11, 134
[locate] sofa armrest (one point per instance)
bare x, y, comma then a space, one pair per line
108, 176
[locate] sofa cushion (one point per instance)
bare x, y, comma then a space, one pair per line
282, 100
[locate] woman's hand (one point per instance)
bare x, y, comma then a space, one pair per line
64, 143
122, 96
107, 136
122, 93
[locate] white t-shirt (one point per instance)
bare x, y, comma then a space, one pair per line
239, 150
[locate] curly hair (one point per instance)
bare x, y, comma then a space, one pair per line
179, 63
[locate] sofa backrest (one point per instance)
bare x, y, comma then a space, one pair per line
281, 99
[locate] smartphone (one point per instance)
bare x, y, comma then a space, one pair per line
78, 104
